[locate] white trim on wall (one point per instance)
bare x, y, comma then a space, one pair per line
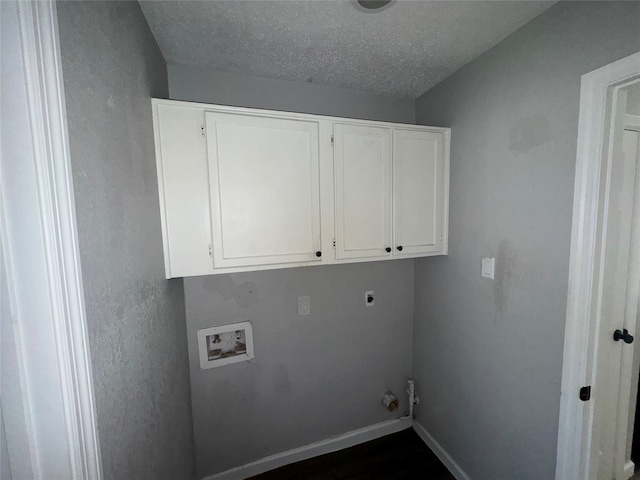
305, 452
446, 459
575, 429
66, 446
340, 442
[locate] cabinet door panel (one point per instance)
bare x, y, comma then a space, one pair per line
184, 190
264, 189
362, 172
419, 192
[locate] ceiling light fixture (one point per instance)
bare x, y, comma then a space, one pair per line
372, 5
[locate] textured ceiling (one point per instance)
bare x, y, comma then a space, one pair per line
403, 50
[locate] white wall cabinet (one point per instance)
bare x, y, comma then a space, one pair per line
362, 162
265, 189
244, 189
183, 183
420, 192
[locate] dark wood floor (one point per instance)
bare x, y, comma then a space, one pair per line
402, 455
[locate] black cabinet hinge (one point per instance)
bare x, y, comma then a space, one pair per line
585, 393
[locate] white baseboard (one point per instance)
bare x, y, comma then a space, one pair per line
444, 457
329, 445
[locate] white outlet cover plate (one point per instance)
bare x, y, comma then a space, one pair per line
304, 306
489, 267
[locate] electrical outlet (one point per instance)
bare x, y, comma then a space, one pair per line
304, 306
369, 299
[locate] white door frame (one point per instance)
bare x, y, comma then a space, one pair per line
46, 294
575, 429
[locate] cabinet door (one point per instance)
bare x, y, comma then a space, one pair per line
362, 188
265, 193
184, 190
419, 192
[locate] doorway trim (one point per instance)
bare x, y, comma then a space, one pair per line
575, 428
60, 379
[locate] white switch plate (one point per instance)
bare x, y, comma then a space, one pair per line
489, 267
368, 303
304, 306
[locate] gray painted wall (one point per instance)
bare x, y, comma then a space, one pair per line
488, 354
202, 85
136, 321
312, 377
